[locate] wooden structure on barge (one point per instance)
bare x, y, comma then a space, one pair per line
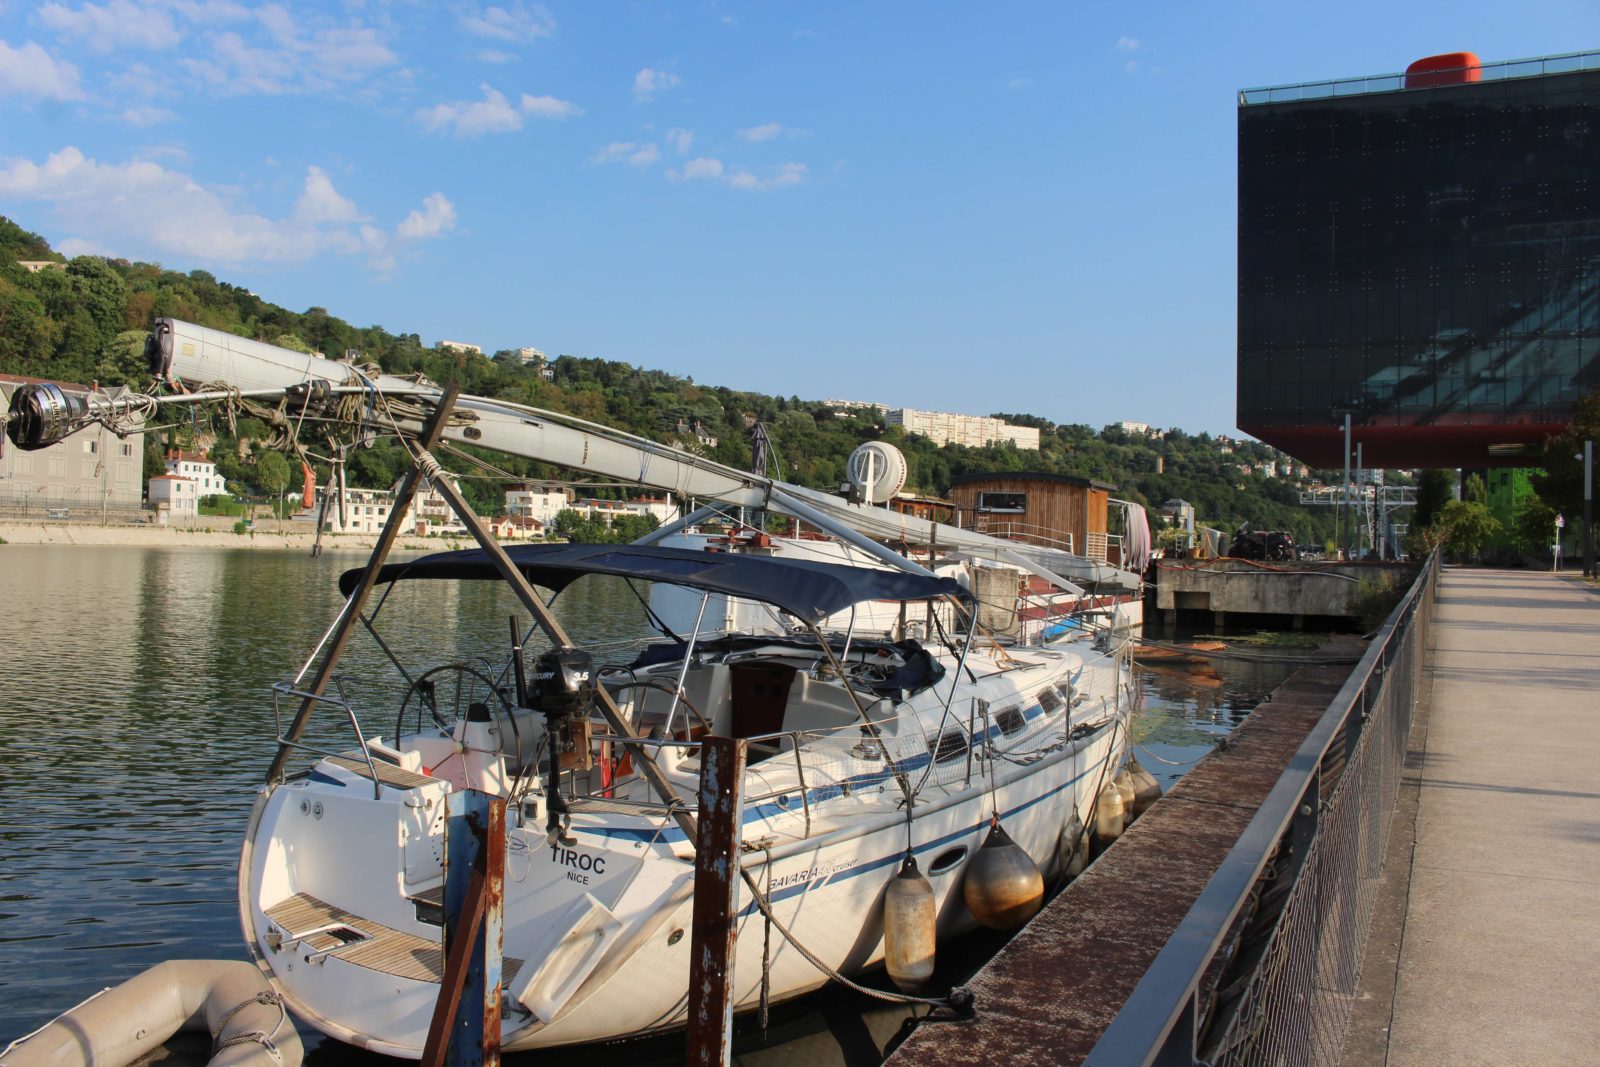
1055, 510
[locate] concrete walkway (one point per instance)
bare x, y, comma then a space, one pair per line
1499, 955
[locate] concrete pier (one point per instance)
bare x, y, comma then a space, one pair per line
1229, 587
1486, 947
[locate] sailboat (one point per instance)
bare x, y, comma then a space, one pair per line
883, 721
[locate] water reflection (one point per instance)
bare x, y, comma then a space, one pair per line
137, 707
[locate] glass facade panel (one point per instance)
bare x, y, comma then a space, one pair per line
1420, 258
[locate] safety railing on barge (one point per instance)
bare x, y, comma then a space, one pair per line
1263, 969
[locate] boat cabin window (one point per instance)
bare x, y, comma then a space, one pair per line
1010, 721
1050, 699
1008, 503
952, 744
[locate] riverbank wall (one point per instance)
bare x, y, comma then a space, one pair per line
204, 533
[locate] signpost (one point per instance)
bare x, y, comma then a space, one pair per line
1555, 554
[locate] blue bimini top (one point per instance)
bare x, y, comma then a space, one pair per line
808, 590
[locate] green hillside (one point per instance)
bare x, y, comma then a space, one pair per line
87, 322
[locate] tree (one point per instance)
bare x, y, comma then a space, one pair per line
1534, 525
1561, 483
1433, 493
272, 474
1469, 527
1475, 492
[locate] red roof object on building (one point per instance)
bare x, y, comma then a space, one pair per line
1447, 68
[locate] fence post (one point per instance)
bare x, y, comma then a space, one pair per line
716, 879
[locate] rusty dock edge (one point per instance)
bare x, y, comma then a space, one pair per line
1051, 992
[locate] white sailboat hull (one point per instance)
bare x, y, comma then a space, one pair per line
595, 933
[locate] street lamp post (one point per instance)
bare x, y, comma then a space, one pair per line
1588, 509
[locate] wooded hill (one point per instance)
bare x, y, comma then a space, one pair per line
87, 322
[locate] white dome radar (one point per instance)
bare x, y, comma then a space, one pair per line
877, 471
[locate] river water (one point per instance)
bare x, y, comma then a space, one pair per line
137, 709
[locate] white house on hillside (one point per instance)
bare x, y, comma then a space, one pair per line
433, 511
173, 496
608, 510
200, 469
541, 502
364, 511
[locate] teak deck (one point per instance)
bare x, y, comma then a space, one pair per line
386, 950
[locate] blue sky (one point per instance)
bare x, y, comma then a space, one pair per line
975, 208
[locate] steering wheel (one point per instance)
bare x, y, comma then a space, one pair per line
447, 691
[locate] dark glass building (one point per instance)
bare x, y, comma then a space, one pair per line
1421, 251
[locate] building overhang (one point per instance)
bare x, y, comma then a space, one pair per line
1436, 445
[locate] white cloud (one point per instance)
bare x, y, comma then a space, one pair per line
783, 174
321, 202
515, 22
756, 134
147, 116
31, 71
118, 24
292, 53
149, 207
615, 152
629, 152
680, 140
648, 82
548, 107
493, 114
436, 216
208, 12
74, 247
1018, 84
1127, 44
703, 167
494, 55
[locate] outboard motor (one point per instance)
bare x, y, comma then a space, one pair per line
562, 689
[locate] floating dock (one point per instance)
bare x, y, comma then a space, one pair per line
1049, 995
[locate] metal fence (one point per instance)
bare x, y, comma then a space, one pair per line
1264, 968
96, 513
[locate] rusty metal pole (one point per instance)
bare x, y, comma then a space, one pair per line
465, 1030
716, 883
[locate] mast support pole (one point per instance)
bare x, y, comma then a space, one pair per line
557, 633
431, 432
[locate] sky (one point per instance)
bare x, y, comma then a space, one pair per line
979, 208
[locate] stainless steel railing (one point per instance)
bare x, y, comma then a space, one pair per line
1308, 865
1388, 83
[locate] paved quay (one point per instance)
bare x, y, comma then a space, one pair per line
1490, 952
